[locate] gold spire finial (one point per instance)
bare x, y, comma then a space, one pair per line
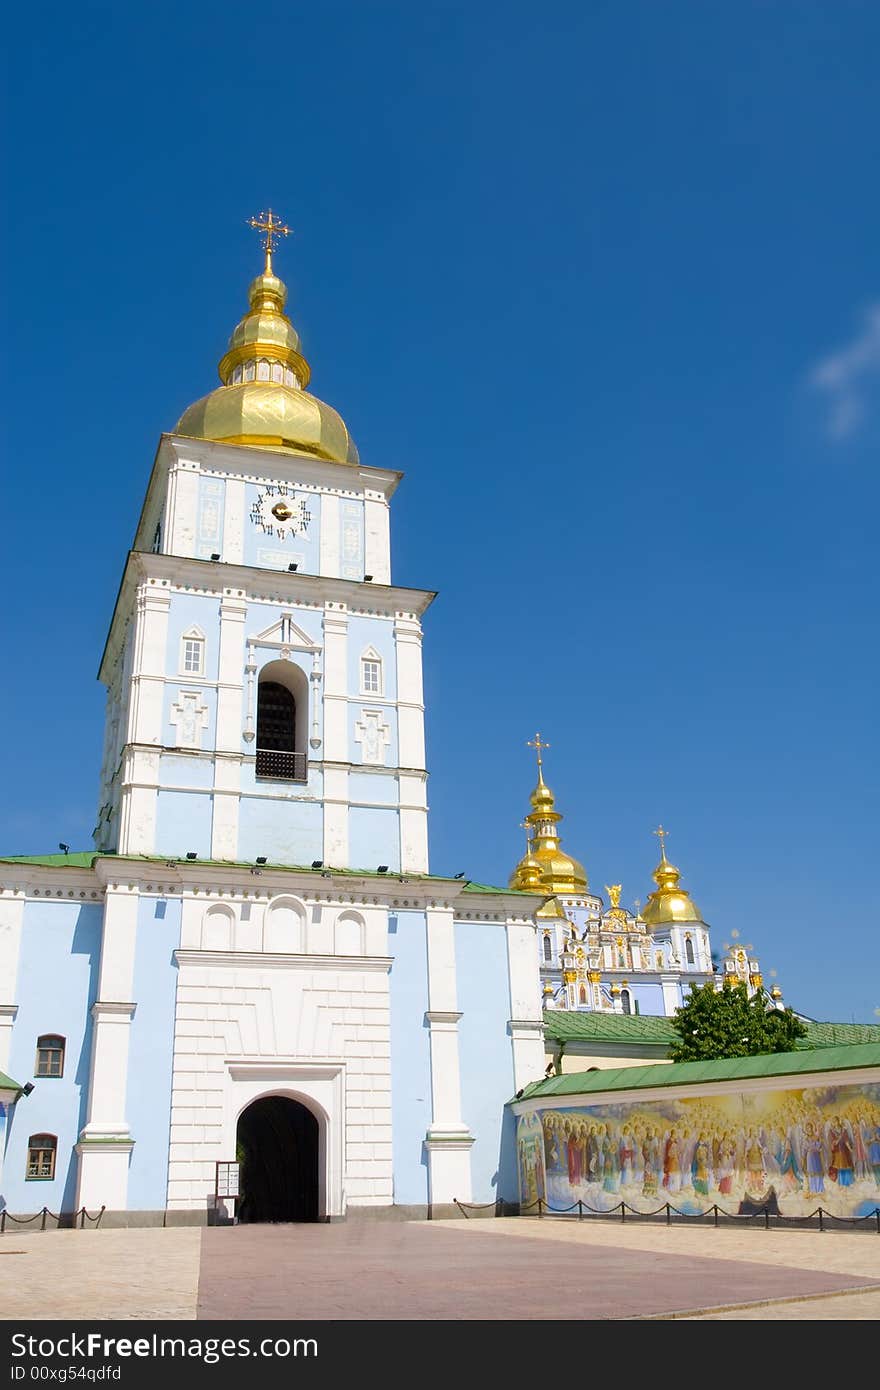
524, 825
661, 834
538, 744
273, 229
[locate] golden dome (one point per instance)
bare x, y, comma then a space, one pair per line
557, 872
263, 399
670, 903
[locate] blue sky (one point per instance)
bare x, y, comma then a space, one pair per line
603, 280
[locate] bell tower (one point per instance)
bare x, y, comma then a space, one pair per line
263, 674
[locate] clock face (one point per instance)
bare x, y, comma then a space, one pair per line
278, 513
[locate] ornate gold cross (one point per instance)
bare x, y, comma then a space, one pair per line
661, 833
273, 230
524, 825
538, 744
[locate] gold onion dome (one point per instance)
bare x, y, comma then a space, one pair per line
263, 400
670, 903
557, 872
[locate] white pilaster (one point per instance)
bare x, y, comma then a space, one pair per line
328, 551
336, 686
412, 792
148, 665
671, 994
448, 1141
230, 712
138, 801
11, 918
183, 505
377, 540
410, 694
227, 799
105, 1143
336, 807
233, 521
526, 1021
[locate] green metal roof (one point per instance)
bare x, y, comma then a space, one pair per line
698, 1073
563, 1025
84, 859
7, 1083
571, 1025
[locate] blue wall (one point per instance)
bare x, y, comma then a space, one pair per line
410, 1056
57, 985
373, 838
286, 831
193, 610
183, 823
151, 1051
485, 1053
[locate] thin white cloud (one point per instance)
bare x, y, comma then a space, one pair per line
849, 377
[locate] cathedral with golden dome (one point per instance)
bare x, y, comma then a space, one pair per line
602, 957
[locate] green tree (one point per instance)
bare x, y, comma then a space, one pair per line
727, 1023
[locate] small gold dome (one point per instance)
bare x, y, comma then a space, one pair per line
670, 903
556, 872
263, 400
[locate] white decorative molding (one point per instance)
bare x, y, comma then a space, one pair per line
268, 960
374, 735
190, 717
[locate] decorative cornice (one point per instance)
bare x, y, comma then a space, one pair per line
270, 960
8, 1011
111, 1009
525, 1025
434, 1016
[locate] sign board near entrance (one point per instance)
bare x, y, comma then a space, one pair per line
227, 1182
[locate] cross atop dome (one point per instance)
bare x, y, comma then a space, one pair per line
538, 744
273, 230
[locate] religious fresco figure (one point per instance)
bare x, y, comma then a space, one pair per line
874, 1151
700, 1166
814, 1159
609, 1161
790, 1173
594, 1155
627, 1157
672, 1162
753, 1155
726, 1163
840, 1167
651, 1162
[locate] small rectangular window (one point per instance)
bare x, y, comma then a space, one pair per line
50, 1056
159, 911
193, 649
371, 677
41, 1156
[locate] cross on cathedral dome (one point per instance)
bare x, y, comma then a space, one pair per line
263, 400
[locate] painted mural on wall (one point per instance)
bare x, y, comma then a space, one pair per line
787, 1151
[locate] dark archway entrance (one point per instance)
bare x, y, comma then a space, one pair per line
277, 1146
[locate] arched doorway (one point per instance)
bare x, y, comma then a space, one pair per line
277, 1143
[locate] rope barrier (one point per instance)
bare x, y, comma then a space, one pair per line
543, 1207
57, 1216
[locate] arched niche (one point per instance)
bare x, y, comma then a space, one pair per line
349, 934
284, 927
273, 712
217, 928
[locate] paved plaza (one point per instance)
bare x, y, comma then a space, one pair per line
486, 1269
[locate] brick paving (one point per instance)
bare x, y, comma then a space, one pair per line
502, 1270
135, 1273
481, 1270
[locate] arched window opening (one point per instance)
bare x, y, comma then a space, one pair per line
41, 1157
689, 950
50, 1055
626, 1002
582, 995
277, 718
548, 948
